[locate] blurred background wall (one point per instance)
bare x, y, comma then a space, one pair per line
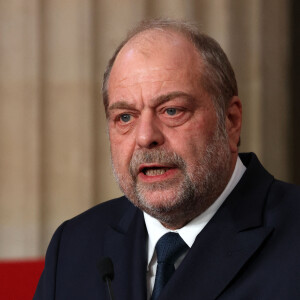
54, 153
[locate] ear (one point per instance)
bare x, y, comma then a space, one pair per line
234, 122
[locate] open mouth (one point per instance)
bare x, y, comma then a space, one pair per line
154, 171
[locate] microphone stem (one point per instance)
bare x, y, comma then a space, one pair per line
110, 292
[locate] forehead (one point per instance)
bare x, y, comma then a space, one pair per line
151, 43
154, 51
155, 62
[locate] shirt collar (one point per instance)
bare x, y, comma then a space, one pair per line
190, 231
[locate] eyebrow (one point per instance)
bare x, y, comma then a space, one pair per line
167, 97
122, 104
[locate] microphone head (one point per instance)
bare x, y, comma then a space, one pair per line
106, 268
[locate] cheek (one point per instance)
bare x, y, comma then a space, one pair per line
187, 144
194, 135
203, 129
190, 142
121, 151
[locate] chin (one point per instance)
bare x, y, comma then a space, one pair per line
161, 200
168, 210
164, 203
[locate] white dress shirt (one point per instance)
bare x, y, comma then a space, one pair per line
190, 231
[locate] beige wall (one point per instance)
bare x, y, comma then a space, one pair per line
54, 155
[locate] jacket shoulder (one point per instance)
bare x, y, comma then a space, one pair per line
284, 196
101, 215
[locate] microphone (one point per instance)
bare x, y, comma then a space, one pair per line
106, 271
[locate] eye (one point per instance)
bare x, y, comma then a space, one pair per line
171, 111
125, 118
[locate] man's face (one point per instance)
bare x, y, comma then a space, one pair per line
169, 156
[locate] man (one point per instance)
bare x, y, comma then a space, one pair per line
174, 120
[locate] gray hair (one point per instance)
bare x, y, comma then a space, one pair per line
217, 76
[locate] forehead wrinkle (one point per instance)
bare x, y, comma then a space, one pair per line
144, 81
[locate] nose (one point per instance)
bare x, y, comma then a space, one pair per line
148, 134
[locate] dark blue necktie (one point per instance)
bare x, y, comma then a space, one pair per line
168, 249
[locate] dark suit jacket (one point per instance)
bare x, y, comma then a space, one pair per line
249, 250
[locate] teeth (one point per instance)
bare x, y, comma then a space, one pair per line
155, 172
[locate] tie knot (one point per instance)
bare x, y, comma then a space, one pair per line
169, 247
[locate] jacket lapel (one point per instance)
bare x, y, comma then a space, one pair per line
126, 246
227, 243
